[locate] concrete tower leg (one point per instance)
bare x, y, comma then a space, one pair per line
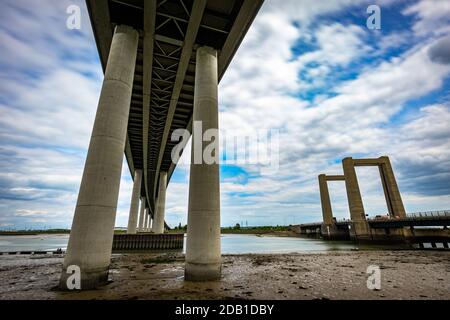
91, 236
325, 200
146, 217
158, 223
149, 219
134, 207
154, 215
203, 258
398, 210
386, 191
142, 214
360, 227
328, 229
147, 214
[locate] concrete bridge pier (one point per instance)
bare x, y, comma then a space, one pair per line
203, 257
91, 236
392, 192
359, 228
146, 217
158, 223
141, 215
150, 223
325, 200
329, 229
134, 207
149, 218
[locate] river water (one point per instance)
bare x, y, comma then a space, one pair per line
231, 244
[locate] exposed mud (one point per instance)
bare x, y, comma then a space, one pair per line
331, 275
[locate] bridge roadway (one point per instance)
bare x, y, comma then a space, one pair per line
162, 100
419, 219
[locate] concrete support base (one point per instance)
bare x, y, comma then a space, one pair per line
360, 231
203, 272
332, 232
89, 280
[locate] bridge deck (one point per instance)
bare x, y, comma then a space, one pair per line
426, 219
163, 89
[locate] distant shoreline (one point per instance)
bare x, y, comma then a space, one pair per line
273, 233
258, 231
34, 232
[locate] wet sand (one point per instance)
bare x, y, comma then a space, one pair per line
330, 275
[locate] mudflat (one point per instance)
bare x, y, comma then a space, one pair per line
329, 275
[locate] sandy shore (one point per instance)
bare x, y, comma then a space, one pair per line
331, 275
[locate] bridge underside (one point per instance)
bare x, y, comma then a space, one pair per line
170, 31
163, 60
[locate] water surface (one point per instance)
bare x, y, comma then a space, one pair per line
41, 242
231, 244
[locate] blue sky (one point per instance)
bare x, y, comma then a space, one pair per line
310, 69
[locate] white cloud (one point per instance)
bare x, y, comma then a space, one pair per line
432, 17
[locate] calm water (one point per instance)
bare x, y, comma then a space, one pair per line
234, 243
31, 243
231, 243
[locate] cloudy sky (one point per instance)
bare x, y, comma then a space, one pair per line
310, 69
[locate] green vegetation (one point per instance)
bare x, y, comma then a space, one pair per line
48, 231
33, 232
237, 229
178, 229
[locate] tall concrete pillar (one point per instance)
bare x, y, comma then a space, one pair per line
325, 200
154, 215
398, 210
134, 207
142, 214
158, 223
353, 192
203, 258
149, 217
146, 217
387, 196
357, 214
91, 236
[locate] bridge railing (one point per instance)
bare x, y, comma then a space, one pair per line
429, 214
415, 215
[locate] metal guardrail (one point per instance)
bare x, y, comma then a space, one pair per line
313, 224
434, 214
426, 215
